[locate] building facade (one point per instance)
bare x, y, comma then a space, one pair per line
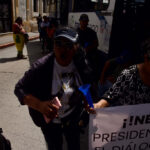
29, 10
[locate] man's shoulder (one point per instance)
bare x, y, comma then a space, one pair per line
130, 70
43, 61
15, 25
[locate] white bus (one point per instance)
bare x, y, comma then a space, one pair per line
101, 22
115, 21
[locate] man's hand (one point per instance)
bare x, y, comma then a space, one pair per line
48, 109
101, 104
90, 109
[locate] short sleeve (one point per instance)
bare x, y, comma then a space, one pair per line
117, 93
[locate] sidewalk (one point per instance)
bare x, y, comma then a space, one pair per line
7, 38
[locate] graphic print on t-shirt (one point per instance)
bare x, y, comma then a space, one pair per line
66, 81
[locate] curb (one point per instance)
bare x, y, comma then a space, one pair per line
33, 38
12, 43
7, 45
6, 34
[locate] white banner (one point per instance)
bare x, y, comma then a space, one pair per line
120, 128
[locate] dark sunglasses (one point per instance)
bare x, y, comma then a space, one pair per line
60, 43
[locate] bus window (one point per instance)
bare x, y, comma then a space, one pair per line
106, 1
90, 5
141, 1
94, 1
100, 5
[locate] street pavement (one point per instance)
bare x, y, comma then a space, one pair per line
14, 118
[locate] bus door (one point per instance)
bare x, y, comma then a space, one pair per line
128, 29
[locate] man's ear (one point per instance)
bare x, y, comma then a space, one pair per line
75, 47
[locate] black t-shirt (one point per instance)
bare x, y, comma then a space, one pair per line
86, 36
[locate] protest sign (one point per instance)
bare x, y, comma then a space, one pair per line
120, 128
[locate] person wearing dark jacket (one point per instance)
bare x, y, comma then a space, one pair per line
57, 75
89, 42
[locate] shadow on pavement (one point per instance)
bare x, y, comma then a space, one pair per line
34, 50
4, 60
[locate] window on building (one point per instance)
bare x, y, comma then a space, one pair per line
35, 4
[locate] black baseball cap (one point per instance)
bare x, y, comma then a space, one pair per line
84, 17
68, 33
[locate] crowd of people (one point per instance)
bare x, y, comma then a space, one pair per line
74, 60
46, 27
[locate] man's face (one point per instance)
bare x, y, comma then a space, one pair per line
83, 24
64, 51
20, 22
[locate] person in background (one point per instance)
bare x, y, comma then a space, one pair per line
94, 58
39, 21
132, 85
50, 33
89, 42
44, 25
87, 36
57, 74
112, 69
19, 37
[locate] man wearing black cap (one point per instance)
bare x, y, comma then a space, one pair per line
133, 84
87, 36
56, 76
89, 42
